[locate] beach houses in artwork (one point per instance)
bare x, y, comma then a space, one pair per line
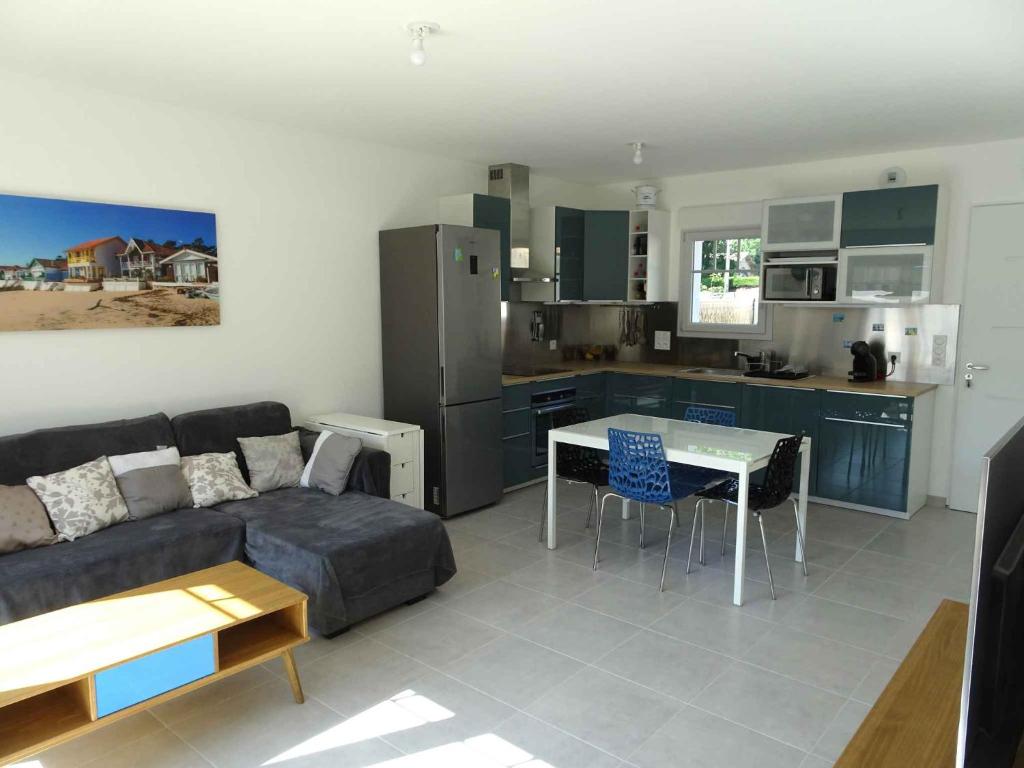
95, 259
48, 270
193, 264
141, 258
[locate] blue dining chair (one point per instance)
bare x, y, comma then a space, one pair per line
638, 471
707, 414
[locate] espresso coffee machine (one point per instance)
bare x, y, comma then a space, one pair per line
865, 366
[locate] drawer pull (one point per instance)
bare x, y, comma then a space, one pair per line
869, 423
864, 394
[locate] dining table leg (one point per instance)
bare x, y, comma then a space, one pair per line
801, 508
741, 537
552, 492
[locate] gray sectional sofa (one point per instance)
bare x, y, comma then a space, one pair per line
354, 555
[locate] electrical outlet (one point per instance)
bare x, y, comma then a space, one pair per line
898, 356
663, 340
553, 344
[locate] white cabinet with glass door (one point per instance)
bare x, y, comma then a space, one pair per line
897, 275
719, 285
802, 223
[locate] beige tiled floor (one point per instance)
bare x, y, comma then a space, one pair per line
530, 659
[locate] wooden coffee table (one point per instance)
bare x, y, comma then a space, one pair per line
71, 671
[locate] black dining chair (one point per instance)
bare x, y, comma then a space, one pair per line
576, 464
776, 488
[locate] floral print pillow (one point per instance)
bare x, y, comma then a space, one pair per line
81, 500
215, 478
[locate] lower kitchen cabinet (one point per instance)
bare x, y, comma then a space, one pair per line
647, 395
789, 410
516, 435
727, 395
592, 394
864, 457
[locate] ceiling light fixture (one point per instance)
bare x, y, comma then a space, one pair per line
419, 30
638, 152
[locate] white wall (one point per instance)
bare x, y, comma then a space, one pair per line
297, 222
968, 175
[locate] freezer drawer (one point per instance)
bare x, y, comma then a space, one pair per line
472, 456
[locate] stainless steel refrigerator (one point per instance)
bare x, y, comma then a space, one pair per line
441, 347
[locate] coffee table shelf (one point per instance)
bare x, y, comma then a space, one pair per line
54, 667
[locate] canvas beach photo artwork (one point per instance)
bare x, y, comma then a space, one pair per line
68, 264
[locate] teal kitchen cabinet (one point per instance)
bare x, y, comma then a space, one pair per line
864, 455
727, 395
569, 225
592, 394
646, 395
898, 216
492, 212
516, 434
789, 410
605, 255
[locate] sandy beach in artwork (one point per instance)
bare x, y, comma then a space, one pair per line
52, 310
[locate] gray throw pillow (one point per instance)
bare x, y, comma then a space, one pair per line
151, 482
23, 520
331, 460
274, 461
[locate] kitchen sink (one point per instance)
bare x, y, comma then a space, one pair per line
715, 371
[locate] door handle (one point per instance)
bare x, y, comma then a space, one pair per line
976, 367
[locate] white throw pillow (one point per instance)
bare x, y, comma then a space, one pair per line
81, 500
215, 478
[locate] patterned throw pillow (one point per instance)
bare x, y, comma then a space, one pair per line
81, 500
215, 478
274, 461
23, 520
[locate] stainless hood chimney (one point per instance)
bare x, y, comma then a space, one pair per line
532, 279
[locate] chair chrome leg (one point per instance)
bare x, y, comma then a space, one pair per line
600, 519
764, 541
642, 524
668, 543
700, 506
693, 534
800, 535
590, 507
725, 527
543, 513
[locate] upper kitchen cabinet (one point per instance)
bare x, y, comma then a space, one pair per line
569, 253
888, 217
556, 252
802, 224
648, 255
606, 255
488, 212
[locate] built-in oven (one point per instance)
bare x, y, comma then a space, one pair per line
793, 281
543, 408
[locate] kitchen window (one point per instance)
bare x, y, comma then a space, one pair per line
720, 285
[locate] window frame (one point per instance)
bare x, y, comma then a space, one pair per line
685, 326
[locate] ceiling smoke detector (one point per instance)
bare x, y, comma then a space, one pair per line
419, 31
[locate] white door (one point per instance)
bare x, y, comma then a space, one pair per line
991, 345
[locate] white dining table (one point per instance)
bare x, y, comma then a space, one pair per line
731, 449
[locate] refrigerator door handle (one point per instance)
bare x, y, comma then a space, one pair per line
442, 383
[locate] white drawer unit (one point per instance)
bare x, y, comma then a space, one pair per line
404, 442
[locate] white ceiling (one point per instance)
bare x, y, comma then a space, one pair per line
561, 85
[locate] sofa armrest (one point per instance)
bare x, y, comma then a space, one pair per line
371, 473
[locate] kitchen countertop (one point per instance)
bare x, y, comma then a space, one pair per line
576, 368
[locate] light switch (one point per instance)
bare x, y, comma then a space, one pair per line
939, 344
553, 344
663, 340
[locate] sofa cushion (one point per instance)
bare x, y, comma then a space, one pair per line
46, 451
344, 549
121, 557
217, 430
274, 461
81, 500
23, 520
330, 462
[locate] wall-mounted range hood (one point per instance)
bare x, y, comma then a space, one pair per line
533, 275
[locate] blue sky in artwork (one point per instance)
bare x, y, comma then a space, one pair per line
38, 227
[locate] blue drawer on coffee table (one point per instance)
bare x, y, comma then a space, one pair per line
127, 684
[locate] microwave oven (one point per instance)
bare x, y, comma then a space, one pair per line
800, 282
